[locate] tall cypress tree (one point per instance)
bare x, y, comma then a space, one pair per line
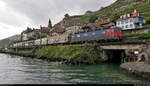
50, 24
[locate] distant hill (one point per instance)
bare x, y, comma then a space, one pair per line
5, 42
111, 12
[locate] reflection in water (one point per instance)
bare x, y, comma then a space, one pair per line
19, 70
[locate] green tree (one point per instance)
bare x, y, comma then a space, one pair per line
148, 20
115, 17
67, 15
93, 19
49, 24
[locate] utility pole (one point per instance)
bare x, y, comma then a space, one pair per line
40, 34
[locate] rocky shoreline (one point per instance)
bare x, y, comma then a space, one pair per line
139, 69
69, 61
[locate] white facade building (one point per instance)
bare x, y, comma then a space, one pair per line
126, 24
130, 21
24, 36
73, 29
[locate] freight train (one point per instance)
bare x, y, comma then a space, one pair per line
100, 35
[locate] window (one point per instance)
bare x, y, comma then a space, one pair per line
126, 26
122, 26
126, 21
122, 22
93, 33
103, 32
118, 23
85, 34
78, 36
131, 25
131, 20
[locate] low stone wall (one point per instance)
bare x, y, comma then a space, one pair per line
144, 29
139, 69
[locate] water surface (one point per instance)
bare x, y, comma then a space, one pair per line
23, 70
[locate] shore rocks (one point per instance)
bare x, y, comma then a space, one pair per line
139, 69
69, 61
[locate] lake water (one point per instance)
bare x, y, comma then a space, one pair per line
23, 70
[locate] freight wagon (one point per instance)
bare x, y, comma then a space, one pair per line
19, 44
63, 38
59, 39
110, 34
37, 42
26, 44
30, 43
51, 40
44, 41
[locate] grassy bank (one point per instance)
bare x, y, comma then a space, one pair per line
137, 36
87, 52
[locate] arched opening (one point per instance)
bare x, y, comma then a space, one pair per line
115, 56
143, 57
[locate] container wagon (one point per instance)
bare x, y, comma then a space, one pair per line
44, 41
37, 42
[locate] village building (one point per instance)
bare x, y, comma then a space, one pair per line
130, 21
29, 34
45, 30
73, 29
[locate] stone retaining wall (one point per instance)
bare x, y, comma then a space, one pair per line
139, 69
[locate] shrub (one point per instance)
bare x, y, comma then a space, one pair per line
89, 53
93, 19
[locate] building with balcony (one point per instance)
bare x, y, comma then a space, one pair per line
130, 21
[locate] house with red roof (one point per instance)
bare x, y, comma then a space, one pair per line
45, 29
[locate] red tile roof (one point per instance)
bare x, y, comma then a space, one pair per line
132, 15
45, 28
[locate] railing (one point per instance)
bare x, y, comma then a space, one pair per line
129, 59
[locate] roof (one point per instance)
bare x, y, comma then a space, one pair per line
45, 28
131, 15
129, 18
27, 30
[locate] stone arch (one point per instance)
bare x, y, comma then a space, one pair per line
142, 56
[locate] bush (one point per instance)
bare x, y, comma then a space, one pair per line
93, 19
89, 53
148, 20
86, 53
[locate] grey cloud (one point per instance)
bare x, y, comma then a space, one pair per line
18, 14
41, 10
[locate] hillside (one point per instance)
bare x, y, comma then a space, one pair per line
112, 12
7, 41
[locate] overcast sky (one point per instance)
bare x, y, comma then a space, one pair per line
16, 15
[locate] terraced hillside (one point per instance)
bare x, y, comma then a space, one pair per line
113, 12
